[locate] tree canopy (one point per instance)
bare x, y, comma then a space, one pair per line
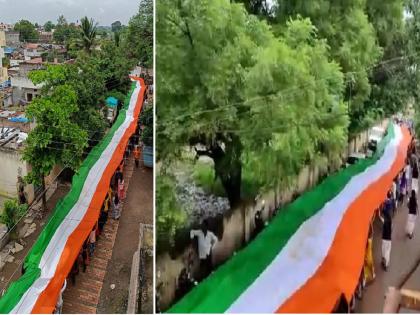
48, 26
270, 87
116, 26
27, 31
88, 33
139, 35
56, 138
64, 32
236, 99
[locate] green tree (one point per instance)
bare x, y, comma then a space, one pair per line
48, 26
65, 33
351, 37
88, 33
413, 51
114, 66
56, 139
169, 215
389, 80
85, 78
27, 31
117, 39
12, 213
236, 93
146, 120
139, 36
116, 26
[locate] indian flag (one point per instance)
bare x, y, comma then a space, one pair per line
53, 254
313, 250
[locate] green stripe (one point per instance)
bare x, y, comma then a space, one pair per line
224, 286
62, 208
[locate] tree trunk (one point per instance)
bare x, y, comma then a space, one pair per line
228, 167
227, 163
44, 193
231, 180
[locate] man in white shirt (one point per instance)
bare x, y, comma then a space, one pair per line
206, 241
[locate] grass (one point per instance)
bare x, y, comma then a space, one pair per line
203, 174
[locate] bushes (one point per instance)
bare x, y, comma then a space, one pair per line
169, 216
12, 212
146, 119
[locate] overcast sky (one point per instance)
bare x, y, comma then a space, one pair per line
103, 11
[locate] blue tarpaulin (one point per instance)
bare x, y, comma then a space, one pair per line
8, 50
111, 101
18, 119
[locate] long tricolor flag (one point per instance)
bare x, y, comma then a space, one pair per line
52, 256
313, 250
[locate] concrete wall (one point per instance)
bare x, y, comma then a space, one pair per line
238, 226
12, 38
11, 167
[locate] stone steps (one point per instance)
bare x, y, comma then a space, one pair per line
83, 297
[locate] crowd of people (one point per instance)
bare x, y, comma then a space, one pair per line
403, 192
111, 208
401, 195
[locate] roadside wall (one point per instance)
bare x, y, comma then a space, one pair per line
12, 166
238, 226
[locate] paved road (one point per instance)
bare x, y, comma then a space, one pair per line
404, 255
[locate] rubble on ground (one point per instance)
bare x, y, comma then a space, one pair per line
196, 202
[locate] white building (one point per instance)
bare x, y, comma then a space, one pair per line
32, 51
24, 90
11, 164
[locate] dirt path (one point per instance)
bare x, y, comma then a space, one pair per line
138, 208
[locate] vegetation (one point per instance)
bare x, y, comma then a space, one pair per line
88, 29
146, 119
12, 212
27, 31
139, 35
64, 32
169, 216
271, 88
49, 26
56, 138
235, 120
116, 26
68, 114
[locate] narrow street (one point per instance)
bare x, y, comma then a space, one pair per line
138, 208
404, 254
111, 261
83, 297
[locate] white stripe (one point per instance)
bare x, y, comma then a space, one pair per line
309, 246
52, 254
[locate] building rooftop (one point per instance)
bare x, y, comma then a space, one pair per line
31, 46
34, 61
11, 138
8, 50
